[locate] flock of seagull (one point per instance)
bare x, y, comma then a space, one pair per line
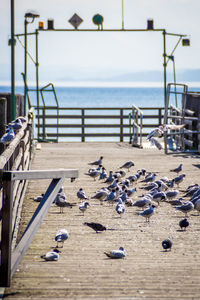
11, 130
118, 191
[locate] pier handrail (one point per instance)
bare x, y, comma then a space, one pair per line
10, 259
136, 126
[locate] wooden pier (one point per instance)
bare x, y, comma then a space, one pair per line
83, 271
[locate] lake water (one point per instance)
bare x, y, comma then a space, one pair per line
101, 96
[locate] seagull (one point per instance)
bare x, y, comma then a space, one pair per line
127, 165
61, 202
186, 207
16, 125
111, 197
150, 186
83, 206
51, 255
178, 169
81, 195
61, 236
22, 119
103, 174
110, 178
176, 202
171, 194
179, 179
95, 169
101, 195
121, 253
97, 162
142, 203
38, 198
93, 174
148, 212
167, 244
120, 208
119, 174
95, 226
130, 192
149, 178
159, 196
197, 205
8, 137
155, 132
165, 127
191, 191
184, 223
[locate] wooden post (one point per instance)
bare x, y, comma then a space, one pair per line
3, 120
121, 125
6, 234
83, 125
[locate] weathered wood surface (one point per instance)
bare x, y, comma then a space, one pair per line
83, 271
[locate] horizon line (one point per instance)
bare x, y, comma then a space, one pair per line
102, 84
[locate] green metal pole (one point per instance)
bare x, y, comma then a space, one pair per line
122, 14
12, 106
165, 86
165, 67
37, 81
25, 63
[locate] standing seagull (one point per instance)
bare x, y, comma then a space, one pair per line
186, 207
96, 162
61, 201
147, 213
178, 169
127, 165
61, 236
81, 195
83, 206
120, 208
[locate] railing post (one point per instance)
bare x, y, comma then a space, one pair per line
6, 234
159, 116
121, 125
83, 125
3, 120
43, 124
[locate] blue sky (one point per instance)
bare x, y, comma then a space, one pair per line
81, 55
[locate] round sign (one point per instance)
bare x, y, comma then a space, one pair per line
97, 19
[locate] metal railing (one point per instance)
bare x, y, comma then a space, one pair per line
90, 123
136, 126
14, 175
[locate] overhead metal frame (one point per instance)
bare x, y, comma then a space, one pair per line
36, 33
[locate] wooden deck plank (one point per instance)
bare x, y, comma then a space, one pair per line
83, 271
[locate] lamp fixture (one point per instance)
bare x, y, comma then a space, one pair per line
30, 17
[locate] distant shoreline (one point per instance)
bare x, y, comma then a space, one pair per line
102, 84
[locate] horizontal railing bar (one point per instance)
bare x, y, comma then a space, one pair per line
40, 174
93, 117
81, 126
81, 117
82, 108
97, 108
85, 135
182, 117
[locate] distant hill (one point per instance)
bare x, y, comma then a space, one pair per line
61, 73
